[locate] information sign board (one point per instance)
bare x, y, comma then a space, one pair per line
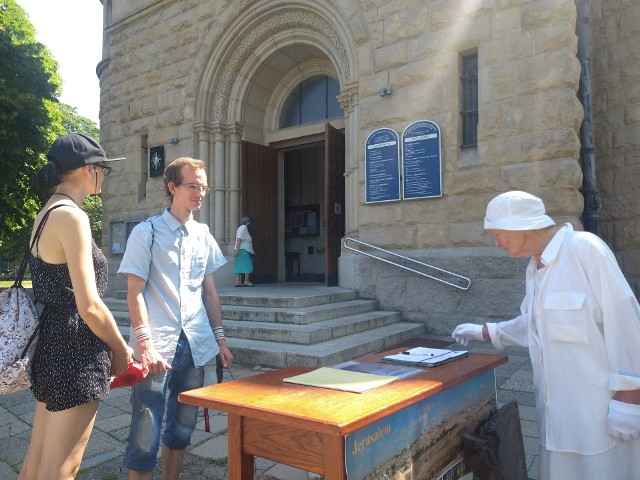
421, 161
382, 166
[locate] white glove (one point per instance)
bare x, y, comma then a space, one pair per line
467, 332
624, 420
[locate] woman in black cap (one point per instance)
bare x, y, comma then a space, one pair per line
79, 346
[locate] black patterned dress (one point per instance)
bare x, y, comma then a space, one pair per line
71, 366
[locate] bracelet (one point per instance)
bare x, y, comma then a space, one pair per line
218, 333
142, 333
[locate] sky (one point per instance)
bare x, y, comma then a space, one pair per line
72, 31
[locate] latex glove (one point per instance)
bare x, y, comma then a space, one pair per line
467, 332
624, 420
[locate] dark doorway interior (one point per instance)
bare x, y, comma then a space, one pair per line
308, 236
304, 229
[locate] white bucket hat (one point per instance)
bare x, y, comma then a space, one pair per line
516, 211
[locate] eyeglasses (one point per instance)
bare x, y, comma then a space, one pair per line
105, 170
195, 188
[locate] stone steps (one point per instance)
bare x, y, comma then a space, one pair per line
309, 325
330, 352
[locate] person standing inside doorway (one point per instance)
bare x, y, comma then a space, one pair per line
242, 252
176, 320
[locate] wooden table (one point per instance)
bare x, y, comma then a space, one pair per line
305, 427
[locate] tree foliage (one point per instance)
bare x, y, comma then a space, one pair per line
72, 122
30, 119
29, 88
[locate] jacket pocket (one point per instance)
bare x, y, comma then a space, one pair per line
565, 315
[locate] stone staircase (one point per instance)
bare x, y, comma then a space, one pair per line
310, 325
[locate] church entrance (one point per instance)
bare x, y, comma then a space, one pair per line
294, 192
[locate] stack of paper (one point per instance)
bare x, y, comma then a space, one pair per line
425, 357
338, 379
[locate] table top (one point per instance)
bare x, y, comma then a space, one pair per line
267, 397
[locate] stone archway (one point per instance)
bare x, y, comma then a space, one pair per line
232, 68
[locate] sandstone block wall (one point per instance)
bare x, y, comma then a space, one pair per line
157, 56
616, 112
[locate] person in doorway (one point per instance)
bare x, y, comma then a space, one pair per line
79, 345
581, 322
242, 252
176, 320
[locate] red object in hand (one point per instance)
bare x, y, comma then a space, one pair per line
133, 375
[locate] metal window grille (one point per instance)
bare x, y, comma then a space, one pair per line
469, 111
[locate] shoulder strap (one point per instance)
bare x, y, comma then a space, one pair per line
153, 232
25, 259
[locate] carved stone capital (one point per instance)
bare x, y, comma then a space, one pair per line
349, 97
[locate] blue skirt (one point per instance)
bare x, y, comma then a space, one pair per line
242, 263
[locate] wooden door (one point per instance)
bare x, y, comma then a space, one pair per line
334, 201
259, 200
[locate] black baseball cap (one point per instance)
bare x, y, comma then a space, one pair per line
75, 150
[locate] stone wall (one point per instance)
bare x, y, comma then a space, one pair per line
528, 136
616, 106
158, 57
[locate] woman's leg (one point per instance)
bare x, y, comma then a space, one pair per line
32, 459
238, 279
55, 454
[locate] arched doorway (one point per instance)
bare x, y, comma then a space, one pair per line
294, 192
244, 92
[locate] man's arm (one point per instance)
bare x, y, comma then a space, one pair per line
140, 325
211, 301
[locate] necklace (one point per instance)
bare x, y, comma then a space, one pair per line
68, 196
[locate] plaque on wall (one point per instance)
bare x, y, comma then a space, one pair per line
421, 161
156, 161
117, 237
382, 166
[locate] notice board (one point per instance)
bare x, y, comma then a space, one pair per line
421, 161
382, 166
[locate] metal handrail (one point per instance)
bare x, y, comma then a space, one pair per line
466, 280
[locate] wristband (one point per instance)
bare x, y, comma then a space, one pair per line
142, 333
218, 333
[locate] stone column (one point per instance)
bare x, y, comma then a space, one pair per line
203, 130
218, 182
235, 137
348, 100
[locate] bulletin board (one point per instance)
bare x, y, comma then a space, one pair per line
302, 221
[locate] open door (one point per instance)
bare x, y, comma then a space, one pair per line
334, 201
259, 200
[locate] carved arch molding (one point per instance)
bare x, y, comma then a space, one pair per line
263, 32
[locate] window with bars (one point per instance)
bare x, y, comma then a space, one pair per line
469, 112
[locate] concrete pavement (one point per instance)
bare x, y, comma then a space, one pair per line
207, 456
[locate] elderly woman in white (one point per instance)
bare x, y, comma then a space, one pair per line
581, 323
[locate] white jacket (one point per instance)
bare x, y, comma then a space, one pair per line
583, 332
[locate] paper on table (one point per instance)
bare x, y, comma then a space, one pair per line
387, 369
337, 379
425, 357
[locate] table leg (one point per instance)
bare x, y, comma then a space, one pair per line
334, 461
241, 465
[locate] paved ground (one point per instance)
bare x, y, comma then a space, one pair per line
207, 456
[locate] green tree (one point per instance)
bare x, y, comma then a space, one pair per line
30, 119
72, 122
29, 122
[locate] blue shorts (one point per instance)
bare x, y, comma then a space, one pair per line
149, 400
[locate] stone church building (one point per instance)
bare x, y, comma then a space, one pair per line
303, 112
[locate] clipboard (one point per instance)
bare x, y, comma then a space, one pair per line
425, 357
